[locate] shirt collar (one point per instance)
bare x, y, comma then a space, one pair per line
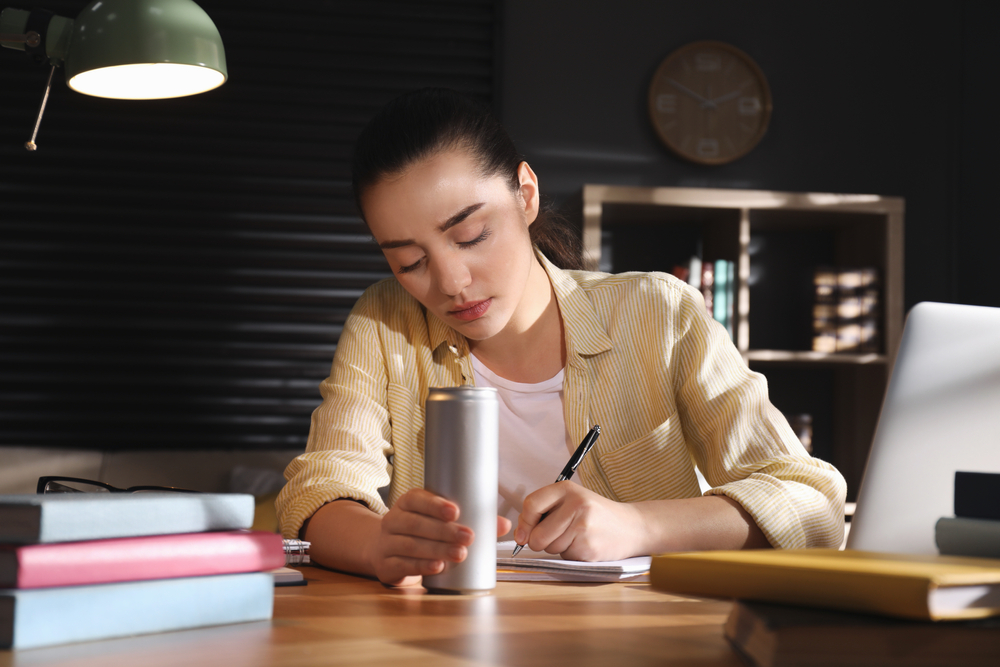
585, 334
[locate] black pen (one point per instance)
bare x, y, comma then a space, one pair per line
574, 463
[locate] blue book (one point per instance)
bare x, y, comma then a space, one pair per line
723, 296
74, 517
47, 616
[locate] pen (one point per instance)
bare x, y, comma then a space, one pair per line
574, 463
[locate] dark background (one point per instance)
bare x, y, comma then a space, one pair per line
175, 273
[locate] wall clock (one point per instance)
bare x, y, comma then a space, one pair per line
709, 102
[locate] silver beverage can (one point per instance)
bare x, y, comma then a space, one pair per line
461, 463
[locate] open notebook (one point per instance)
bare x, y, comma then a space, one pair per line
540, 566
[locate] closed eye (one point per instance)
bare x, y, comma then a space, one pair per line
485, 234
476, 241
410, 267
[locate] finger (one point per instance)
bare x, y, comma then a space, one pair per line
400, 522
555, 524
406, 546
542, 501
560, 541
503, 525
424, 502
537, 506
397, 570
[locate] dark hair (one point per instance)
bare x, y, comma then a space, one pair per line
418, 124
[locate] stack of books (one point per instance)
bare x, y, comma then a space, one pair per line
975, 528
846, 310
717, 283
85, 566
827, 607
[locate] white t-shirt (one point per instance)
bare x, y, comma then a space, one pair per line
534, 445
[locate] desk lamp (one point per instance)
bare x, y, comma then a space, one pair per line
122, 49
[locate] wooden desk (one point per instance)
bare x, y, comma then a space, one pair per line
343, 620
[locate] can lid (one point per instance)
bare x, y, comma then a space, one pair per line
466, 392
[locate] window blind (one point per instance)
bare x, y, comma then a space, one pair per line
176, 273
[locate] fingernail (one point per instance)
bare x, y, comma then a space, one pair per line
456, 554
465, 534
519, 536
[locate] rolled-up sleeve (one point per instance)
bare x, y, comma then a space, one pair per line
349, 442
743, 444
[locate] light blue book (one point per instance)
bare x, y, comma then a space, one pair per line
48, 616
720, 292
72, 517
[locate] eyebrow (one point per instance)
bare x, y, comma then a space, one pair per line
443, 227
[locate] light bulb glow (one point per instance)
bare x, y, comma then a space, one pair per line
147, 81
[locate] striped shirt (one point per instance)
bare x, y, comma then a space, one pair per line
643, 360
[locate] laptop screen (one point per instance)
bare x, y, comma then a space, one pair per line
941, 414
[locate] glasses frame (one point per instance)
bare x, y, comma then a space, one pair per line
43, 482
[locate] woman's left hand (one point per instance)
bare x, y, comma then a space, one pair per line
579, 524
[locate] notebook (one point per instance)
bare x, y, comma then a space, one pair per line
540, 566
941, 414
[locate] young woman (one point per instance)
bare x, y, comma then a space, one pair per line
482, 295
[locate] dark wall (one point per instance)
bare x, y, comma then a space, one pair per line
868, 98
176, 273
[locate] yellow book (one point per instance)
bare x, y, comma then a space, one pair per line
905, 586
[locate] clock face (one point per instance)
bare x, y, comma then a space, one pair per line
709, 102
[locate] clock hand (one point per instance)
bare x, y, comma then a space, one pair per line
725, 98
729, 96
705, 103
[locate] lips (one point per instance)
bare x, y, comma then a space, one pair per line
471, 311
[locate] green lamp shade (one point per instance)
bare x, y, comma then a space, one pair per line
144, 50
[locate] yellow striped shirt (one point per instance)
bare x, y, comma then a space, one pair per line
644, 361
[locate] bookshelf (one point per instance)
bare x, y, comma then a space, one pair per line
776, 240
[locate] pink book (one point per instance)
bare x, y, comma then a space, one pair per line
138, 558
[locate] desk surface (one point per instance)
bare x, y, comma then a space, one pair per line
343, 620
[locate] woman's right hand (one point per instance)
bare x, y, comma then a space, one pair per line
418, 536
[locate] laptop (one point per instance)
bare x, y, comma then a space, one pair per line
941, 414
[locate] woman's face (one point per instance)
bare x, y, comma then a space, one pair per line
458, 242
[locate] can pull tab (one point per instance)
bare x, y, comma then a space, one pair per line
30, 144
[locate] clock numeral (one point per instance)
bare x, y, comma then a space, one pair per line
666, 103
708, 62
708, 148
749, 106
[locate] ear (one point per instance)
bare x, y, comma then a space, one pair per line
529, 191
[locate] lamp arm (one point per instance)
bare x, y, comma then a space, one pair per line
40, 33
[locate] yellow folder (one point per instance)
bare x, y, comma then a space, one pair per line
906, 586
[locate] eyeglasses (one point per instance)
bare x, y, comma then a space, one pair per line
77, 485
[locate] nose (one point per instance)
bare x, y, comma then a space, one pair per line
452, 275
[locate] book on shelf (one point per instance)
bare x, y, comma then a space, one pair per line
769, 635
906, 586
724, 293
138, 558
49, 616
716, 280
708, 286
540, 566
73, 517
846, 310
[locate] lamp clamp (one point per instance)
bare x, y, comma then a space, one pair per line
35, 30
